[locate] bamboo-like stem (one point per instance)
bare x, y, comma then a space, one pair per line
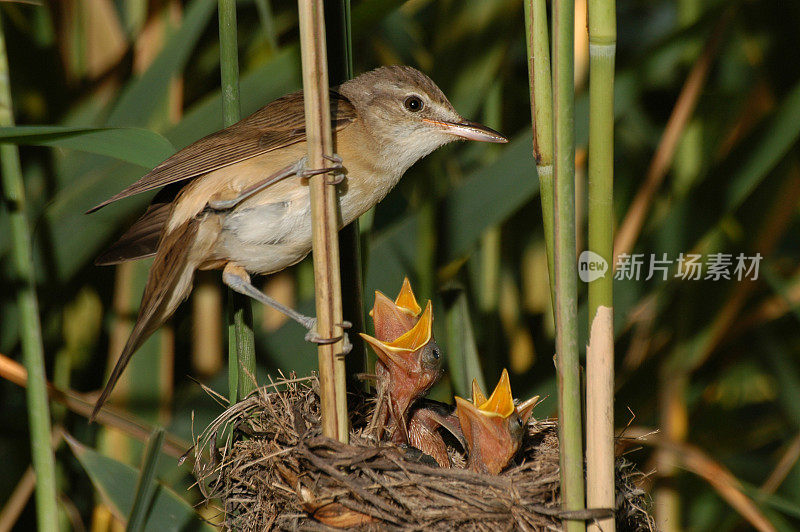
340, 69
567, 361
241, 341
30, 327
600, 352
324, 210
673, 422
541, 94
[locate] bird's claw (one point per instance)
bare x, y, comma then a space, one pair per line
314, 338
335, 159
346, 345
336, 169
335, 179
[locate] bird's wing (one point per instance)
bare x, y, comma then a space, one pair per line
141, 239
278, 124
162, 294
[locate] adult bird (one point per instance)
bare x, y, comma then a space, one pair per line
238, 199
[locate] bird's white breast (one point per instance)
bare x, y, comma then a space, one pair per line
272, 230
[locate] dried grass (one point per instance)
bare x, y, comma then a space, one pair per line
266, 465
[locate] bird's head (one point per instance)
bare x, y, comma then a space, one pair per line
408, 114
413, 360
493, 427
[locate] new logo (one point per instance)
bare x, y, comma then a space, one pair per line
591, 266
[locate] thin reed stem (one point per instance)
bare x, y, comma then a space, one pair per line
340, 69
567, 361
324, 209
541, 95
241, 341
30, 327
600, 352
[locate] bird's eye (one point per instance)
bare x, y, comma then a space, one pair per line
432, 357
414, 104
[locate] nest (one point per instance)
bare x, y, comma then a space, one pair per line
275, 471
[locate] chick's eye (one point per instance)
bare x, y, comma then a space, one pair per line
436, 353
413, 104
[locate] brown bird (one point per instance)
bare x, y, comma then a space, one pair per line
410, 364
493, 428
426, 419
421, 418
228, 201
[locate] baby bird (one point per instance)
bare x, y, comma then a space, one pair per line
407, 366
493, 428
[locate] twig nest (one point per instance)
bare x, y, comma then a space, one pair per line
275, 471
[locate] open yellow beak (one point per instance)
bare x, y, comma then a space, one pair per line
406, 300
477, 394
398, 351
501, 402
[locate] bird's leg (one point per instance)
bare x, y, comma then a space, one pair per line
238, 280
299, 169
224, 204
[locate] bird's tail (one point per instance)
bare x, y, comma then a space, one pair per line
168, 283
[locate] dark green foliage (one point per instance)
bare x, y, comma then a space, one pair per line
733, 187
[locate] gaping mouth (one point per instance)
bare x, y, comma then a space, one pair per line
469, 130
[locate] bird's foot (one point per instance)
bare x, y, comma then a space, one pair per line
336, 169
314, 337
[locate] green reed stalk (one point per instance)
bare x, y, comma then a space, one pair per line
541, 94
600, 353
28, 308
340, 69
567, 361
241, 341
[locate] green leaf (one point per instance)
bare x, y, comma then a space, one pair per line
278, 76
781, 134
790, 508
462, 358
143, 97
146, 486
487, 197
369, 13
138, 146
116, 482
731, 183
72, 249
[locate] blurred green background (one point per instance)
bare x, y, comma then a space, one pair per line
714, 366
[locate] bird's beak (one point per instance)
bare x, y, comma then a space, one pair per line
406, 300
403, 351
391, 320
485, 423
469, 130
